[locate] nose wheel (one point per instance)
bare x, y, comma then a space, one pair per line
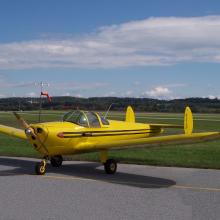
40, 168
110, 166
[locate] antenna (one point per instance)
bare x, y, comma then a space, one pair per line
106, 114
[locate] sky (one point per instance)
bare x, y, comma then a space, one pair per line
125, 48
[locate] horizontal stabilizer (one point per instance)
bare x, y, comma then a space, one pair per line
166, 126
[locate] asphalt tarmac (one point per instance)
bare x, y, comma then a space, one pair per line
81, 190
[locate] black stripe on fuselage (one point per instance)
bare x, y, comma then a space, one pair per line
110, 131
88, 134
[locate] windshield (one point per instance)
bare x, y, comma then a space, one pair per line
85, 119
93, 120
76, 117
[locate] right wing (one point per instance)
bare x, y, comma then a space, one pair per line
14, 132
149, 141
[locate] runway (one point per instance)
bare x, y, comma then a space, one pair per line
81, 190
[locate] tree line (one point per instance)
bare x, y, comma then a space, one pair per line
198, 105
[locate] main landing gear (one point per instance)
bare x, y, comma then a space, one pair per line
56, 161
110, 166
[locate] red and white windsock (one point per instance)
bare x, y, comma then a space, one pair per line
47, 95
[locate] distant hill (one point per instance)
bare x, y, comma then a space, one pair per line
198, 105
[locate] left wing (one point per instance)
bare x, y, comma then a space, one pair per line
14, 132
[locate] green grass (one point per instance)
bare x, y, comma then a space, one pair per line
201, 155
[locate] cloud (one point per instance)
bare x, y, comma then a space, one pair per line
32, 94
111, 94
4, 83
76, 89
74, 86
128, 93
159, 92
2, 96
66, 94
152, 41
212, 97
136, 83
176, 85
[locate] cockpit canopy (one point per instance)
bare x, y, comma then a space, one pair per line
85, 119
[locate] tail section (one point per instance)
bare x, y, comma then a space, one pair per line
188, 121
130, 116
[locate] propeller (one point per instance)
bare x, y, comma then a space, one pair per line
29, 131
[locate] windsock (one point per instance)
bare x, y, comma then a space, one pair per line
47, 95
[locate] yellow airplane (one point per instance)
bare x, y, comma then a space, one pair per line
85, 131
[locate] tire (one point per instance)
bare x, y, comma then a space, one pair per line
40, 169
56, 161
110, 166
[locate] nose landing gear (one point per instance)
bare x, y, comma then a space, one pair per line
56, 161
40, 168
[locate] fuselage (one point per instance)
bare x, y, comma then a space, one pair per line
69, 138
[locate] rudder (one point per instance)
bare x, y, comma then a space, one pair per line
130, 116
188, 121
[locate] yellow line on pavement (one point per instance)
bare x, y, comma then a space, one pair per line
93, 180
196, 188
69, 178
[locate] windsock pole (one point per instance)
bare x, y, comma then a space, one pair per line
42, 84
40, 108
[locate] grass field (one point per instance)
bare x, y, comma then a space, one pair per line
202, 155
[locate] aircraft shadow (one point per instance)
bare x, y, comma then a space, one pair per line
86, 171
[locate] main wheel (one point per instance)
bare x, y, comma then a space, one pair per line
56, 161
110, 166
40, 168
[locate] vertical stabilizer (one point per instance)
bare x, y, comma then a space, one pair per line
188, 121
130, 116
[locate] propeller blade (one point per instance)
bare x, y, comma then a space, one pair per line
23, 123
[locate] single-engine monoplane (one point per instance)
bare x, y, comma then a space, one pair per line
86, 131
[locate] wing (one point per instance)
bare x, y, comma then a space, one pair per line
151, 141
14, 132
